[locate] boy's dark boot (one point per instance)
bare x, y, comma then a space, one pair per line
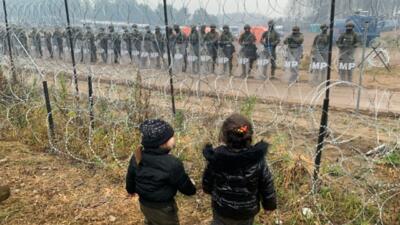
4, 193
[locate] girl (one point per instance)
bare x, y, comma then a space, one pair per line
237, 176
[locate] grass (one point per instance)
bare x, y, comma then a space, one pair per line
114, 140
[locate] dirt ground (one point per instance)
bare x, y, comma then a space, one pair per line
47, 189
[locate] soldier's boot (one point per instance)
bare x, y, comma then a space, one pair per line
230, 67
264, 70
243, 75
342, 74
4, 193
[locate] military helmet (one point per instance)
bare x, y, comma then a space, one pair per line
296, 29
247, 26
157, 28
134, 26
176, 26
271, 23
350, 24
213, 26
225, 27
101, 28
111, 27
323, 27
124, 27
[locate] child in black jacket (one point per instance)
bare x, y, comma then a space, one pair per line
237, 176
156, 176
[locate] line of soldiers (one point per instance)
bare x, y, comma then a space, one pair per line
198, 49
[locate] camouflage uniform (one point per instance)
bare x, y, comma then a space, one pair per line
159, 43
116, 43
58, 36
194, 41
127, 38
211, 41
249, 49
24, 40
48, 36
90, 40
270, 39
294, 43
103, 38
226, 43
181, 45
137, 38
78, 39
37, 42
347, 44
319, 52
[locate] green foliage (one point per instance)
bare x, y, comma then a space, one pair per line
248, 106
179, 121
392, 159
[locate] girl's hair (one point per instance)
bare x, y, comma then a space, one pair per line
138, 155
236, 132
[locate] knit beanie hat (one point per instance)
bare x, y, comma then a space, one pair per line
155, 133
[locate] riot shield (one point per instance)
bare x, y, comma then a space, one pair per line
292, 63
179, 60
318, 68
263, 62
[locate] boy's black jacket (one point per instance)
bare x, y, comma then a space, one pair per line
238, 179
157, 178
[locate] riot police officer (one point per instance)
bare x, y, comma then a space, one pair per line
228, 49
249, 49
103, 39
194, 41
58, 38
159, 43
294, 43
319, 53
127, 38
91, 45
36, 41
270, 39
137, 38
181, 45
116, 43
347, 44
47, 37
211, 41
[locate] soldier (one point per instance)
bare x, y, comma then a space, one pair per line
116, 43
127, 38
48, 36
319, 53
91, 44
202, 34
23, 39
181, 44
36, 41
211, 41
137, 38
58, 36
194, 41
159, 43
78, 39
148, 41
270, 39
347, 44
103, 38
294, 43
249, 49
226, 43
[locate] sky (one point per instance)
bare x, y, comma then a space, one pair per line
229, 6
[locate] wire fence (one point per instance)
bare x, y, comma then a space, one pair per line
94, 80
